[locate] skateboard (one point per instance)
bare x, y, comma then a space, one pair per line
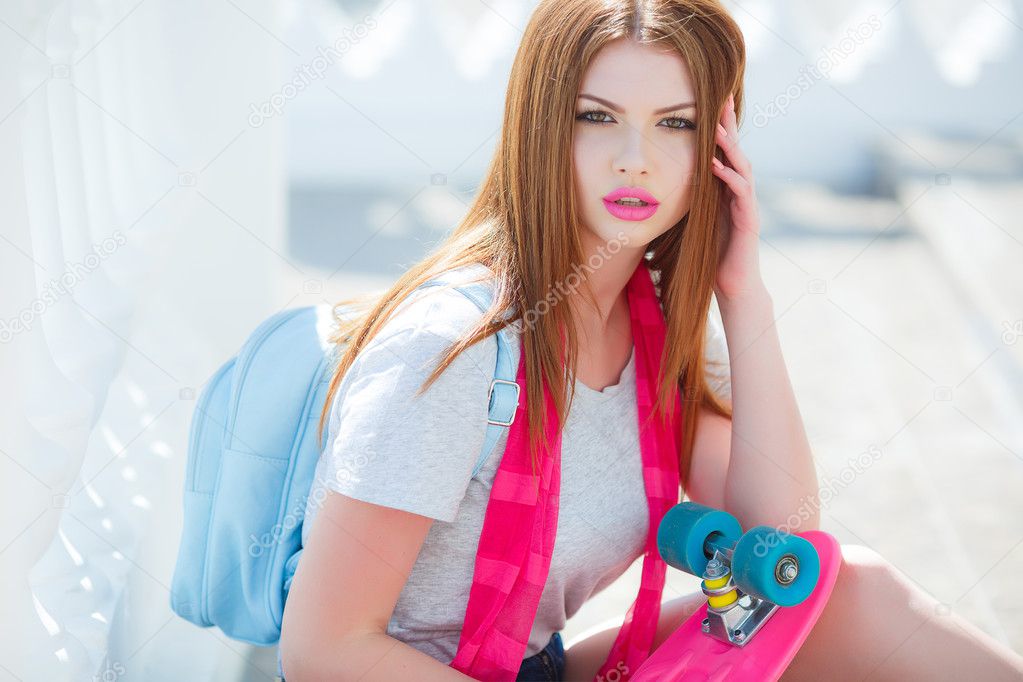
765, 590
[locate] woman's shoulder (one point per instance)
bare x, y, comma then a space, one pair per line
404, 352
443, 310
393, 445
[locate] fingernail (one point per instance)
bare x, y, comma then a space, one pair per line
722, 129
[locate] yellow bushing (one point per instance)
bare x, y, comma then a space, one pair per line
722, 599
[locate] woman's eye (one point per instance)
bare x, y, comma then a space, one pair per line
681, 123
583, 116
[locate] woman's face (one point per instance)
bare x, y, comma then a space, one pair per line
640, 136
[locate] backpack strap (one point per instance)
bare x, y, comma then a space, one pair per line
504, 391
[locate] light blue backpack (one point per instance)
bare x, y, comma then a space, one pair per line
252, 453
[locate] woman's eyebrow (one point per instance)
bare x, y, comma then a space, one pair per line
615, 108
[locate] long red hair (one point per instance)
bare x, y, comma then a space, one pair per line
516, 225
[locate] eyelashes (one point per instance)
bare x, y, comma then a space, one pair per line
686, 124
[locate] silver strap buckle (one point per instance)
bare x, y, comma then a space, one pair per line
490, 395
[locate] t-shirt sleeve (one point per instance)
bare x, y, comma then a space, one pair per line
716, 365
394, 448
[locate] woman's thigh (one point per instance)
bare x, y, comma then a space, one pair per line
860, 586
879, 624
861, 581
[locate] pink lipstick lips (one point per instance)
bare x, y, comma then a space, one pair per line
630, 208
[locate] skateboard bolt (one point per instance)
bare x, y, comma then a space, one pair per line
717, 584
705, 625
715, 569
738, 635
787, 569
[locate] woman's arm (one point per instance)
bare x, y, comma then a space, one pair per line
771, 475
770, 470
353, 569
368, 657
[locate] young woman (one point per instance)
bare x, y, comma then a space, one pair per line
617, 174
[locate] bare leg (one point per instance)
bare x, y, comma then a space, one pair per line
878, 625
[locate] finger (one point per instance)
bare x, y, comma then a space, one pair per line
730, 144
736, 182
731, 124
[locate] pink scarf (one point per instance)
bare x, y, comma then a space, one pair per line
515, 547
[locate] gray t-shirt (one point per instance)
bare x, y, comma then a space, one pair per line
388, 447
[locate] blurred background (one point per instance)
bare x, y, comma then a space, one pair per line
175, 172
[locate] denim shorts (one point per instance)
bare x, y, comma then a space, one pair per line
546, 666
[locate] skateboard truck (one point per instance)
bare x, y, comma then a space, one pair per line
733, 616
745, 576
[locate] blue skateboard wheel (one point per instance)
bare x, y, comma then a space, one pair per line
686, 527
780, 567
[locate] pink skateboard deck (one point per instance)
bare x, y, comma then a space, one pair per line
690, 654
